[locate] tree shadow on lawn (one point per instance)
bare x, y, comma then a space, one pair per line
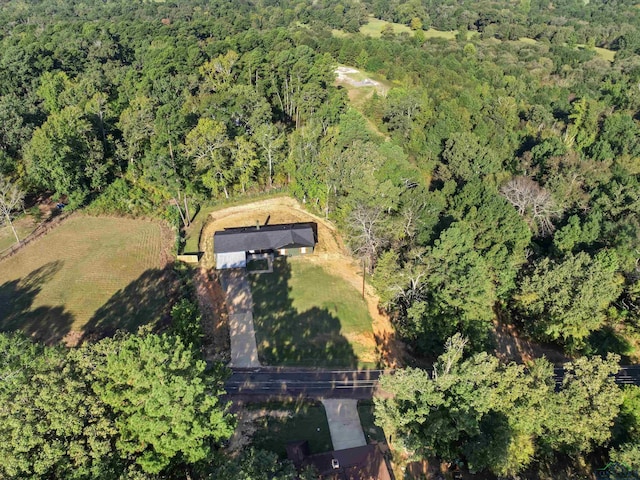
144, 301
288, 337
307, 421
47, 324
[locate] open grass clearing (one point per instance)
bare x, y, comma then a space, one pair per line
87, 277
374, 28
276, 424
329, 253
303, 315
604, 53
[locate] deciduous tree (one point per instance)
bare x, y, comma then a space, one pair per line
567, 300
166, 407
11, 199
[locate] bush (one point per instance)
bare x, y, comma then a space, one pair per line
186, 323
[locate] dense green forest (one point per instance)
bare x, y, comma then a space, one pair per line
496, 178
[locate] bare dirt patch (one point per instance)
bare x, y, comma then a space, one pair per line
511, 347
352, 77
215, 321
330, 253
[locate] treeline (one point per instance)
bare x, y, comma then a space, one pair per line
511, 420
130, 407
497, 177
595, 23
600, 23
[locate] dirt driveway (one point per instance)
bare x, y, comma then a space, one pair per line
330, 253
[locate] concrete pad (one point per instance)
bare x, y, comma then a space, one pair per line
344, 423
244, 352
236, 284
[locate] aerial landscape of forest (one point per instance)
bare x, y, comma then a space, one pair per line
470, 172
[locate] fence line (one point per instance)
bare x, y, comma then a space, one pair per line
41, 230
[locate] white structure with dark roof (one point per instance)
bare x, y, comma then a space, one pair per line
232, 245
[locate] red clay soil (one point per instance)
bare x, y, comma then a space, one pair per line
215, 322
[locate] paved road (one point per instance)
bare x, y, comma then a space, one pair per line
360, 384
310, 383
628, 375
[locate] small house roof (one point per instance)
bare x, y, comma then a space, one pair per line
357, 463
265, 237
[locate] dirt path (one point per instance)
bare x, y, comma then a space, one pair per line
511, 347
215, 321
330, 253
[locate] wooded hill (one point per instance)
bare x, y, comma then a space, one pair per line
501, 178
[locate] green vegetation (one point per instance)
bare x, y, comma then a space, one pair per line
120, 408
374, 28
90, 275
372, 432
23, 226
304, 315
289, 422
499, 417
494, 178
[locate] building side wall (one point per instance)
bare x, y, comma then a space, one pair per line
294, 252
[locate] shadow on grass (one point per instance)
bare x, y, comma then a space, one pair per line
296, 422
47, 324
144, 301
372, 432
288, 337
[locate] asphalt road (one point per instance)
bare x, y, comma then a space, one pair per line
360, 384
628, 375
267, 381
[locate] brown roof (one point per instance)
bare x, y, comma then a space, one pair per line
358, 463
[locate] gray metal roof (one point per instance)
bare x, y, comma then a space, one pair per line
266, 237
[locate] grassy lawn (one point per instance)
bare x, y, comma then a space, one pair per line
374, 27
372, 432
88, 276
24, 226
605, 53
304, 421
303, 315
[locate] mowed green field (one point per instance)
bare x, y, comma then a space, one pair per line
375, 26
87, 277
305, 315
